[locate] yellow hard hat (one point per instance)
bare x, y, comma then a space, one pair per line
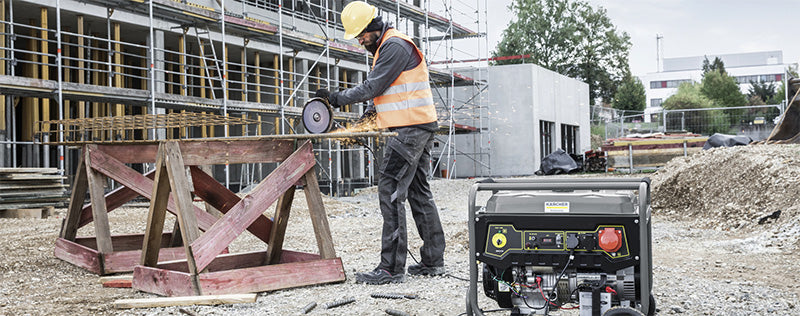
355, 17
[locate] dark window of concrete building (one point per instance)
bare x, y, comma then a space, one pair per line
569, 138
547, 136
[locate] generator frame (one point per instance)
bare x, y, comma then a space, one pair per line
642, 185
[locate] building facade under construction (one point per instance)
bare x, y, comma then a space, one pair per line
96, 71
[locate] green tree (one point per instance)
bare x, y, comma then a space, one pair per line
722, 89
630, 95
763, 90
690, 97
571, 38
717, 64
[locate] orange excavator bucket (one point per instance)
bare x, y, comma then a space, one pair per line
788, 129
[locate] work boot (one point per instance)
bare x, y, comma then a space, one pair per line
379, 276
422, 269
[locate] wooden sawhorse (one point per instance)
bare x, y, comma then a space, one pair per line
104, 253
206, 269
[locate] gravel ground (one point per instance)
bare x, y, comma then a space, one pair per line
711, 255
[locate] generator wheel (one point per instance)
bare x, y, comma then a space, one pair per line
623, 311
652, 308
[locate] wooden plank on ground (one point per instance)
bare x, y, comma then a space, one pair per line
272, 277
118, 283
186, 300
28, 170
32, 177
78, 255
28, 205
17, 186
42, 212
163, 282
244, 213
104, 279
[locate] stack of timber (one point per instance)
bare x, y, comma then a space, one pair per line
650, 150
30, 189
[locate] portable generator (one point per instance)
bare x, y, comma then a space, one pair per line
565, 243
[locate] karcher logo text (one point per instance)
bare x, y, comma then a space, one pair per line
556, 207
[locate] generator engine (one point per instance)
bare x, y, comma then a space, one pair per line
552, 244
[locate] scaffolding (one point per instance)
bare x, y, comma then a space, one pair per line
253, 60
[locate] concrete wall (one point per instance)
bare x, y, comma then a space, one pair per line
519, 97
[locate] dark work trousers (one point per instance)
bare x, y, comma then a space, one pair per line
404, 175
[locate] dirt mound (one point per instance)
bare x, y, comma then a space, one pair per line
744, 188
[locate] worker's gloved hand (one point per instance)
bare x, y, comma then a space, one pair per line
368, 117
327, 95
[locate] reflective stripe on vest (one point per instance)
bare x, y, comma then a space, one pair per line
409, 100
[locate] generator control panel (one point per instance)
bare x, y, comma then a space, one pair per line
506, 239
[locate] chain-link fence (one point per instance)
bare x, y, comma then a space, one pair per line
755, 121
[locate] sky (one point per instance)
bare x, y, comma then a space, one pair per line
689, 27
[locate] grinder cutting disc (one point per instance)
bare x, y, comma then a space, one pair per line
317, 116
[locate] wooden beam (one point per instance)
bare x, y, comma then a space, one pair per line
118, 82
114, 199
275, 243
45, 62
97, 195
278, 79
244, 213
156, 214
272, 277
125, 261
319, 219
81, 71
143, 186
104, 279
219, 197
291, 79
209, 171
181, 191
79, 187
185, 300
182, 62
78, 255
257, 63
210, 152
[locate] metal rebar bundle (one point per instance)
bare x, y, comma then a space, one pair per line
395, 312
309, 307
387, 295
122, 128
393, 295
340, 302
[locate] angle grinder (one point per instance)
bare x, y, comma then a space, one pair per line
317, 116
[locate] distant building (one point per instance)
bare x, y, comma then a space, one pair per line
745, 67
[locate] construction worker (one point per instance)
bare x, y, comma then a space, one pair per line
402, 102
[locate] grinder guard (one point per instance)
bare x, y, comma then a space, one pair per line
317, 116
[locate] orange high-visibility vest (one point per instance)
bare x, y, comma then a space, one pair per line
409, 100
